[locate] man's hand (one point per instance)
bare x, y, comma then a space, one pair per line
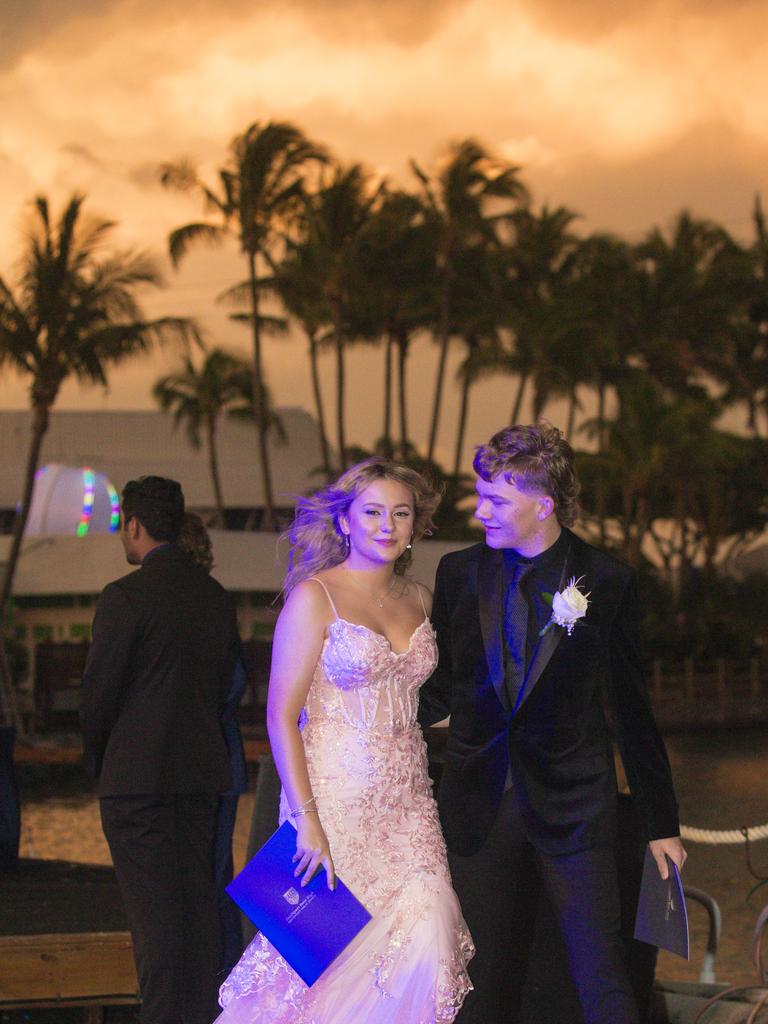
673, 848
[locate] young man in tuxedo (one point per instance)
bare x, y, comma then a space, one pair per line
528, 791
157, 676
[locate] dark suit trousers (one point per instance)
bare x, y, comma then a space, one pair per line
162, 849
498, 889
231, 927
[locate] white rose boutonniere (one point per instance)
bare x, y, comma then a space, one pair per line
568, 606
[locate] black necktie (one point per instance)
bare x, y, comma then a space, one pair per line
516, 630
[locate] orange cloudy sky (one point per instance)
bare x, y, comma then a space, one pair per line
623, 111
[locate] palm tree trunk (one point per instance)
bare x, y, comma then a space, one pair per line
627, 502
600, 482
539, 399
601, 416
684, 557
571, 415
213, 463
518, 404
318, 396
9, 708
641, 528
340, 383
259, 411
462, 425
40, 420
752, 416
444, 341
402, 356
387, 427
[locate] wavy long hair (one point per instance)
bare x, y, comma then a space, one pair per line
195, 540
315, 536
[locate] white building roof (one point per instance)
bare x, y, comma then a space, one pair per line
243, 562
126, 445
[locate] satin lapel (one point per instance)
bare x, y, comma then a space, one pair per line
547, 644
489, 579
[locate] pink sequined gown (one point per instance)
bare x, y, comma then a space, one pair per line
368, 767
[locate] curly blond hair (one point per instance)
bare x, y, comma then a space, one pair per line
537, 459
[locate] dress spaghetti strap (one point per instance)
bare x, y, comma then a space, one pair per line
327, 594
421, 598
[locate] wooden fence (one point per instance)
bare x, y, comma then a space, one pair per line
721, 692
684, 693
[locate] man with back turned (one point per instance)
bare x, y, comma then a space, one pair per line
158, 672
536, 631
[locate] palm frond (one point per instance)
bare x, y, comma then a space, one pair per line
180, 240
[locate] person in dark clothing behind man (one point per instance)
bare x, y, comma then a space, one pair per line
158, 673
195, 540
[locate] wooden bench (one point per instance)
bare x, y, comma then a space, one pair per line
87, 969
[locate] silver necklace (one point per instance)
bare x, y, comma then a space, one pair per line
378, 598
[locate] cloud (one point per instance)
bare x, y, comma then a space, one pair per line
402, 22
27, 24
712, 170
625, 112
595, 19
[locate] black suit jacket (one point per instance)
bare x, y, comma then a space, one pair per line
158, 672
557, 745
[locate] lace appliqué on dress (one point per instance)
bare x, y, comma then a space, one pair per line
367, 763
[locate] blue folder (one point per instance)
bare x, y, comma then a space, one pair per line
662, 918
308, 926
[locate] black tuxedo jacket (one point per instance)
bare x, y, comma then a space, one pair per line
557, 744
156, 679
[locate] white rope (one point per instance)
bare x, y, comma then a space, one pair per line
722, 838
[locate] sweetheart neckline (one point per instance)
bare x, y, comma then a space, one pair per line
380, 636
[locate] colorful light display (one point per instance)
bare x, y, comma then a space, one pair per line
89, 481
73, 500
114, 501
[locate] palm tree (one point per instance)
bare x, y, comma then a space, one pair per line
539, 264
635, 459
259, 192
740, 363
199, 396
600, 312
598, 315
689, 280
73, 313
297, 282
458, 201
332, 221
394, 256
478, 311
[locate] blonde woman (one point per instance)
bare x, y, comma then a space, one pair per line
352, 646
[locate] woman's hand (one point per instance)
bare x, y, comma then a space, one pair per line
312, 850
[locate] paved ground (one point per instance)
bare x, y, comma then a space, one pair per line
721, 782
113, 1015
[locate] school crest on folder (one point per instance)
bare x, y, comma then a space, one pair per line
309, 926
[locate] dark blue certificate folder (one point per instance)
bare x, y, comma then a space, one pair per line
308, 926
662, 918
